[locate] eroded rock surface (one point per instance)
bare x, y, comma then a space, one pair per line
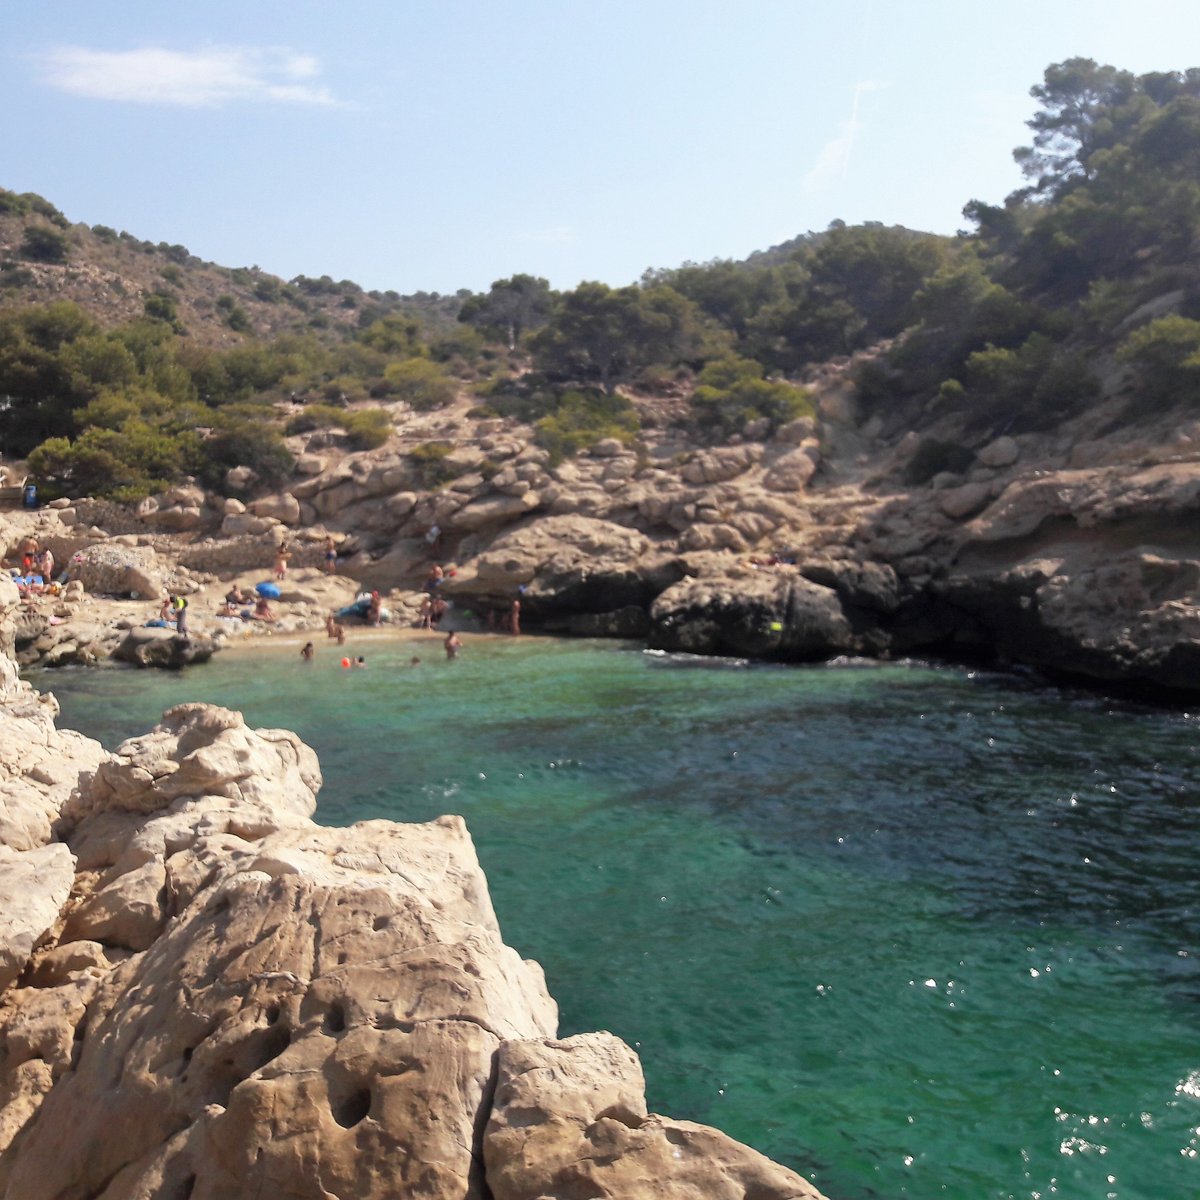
569, 1119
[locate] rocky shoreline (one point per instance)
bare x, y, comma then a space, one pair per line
1076, 553
217, 997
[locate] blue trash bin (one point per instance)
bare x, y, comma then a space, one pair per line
29, 496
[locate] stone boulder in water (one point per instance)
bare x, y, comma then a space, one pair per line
148, 646
759, 614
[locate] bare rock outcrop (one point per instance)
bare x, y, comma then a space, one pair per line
569, 1119
149, 647
759, 614
565, 563
34, 885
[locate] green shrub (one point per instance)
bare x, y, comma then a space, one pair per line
238, 320
124, 464
105, 233
731, 391
316, 416
1026, 388
369, 428
458, 345
40, 243
341, 390
657, 378
43, 208
159, 307
420, 383
1167, 355
581, 419
527, 398
244, 436
428, 462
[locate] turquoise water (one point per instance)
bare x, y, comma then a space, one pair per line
914, 932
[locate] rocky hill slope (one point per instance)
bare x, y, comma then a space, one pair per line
1075, 551
113, 275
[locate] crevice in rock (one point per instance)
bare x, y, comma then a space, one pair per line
334, 1021
477, 1174
352, 1109
276, 1041
183, 1190
626, 1116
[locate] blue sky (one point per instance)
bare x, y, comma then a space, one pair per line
423, 145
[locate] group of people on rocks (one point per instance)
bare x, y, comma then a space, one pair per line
434, 606
175, 609
246, 605
35, 573
283, 553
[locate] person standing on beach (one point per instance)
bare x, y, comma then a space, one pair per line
330, 556
281, 560
179, 607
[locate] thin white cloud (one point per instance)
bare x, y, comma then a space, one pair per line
834, 159
210, 77
555, 233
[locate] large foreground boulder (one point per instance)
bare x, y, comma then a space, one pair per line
114, 569
569, 1119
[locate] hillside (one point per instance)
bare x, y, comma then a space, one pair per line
112, 275
978, 447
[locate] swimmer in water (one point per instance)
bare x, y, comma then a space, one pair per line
307, 651
452, 645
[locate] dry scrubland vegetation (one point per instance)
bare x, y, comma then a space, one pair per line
126, 366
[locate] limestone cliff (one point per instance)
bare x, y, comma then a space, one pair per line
204, 994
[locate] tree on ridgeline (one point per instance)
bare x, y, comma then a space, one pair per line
608, 334
510, 308
731, 293
1079, 100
